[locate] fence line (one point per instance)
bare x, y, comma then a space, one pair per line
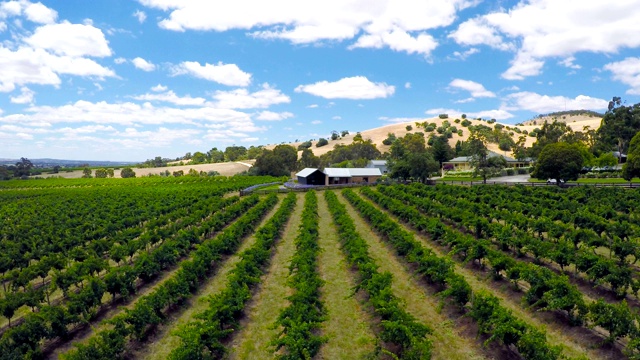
471, 183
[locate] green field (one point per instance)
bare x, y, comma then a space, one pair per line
185, 269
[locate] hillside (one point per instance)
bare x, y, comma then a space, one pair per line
377, 135
225, 169
566, 117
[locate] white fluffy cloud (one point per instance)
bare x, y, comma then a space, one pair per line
226, 74
159, 88
477, 90
398, 40
397, 24
143, 64
25, 97
37, 66
523, 65
171, 97
126, 113
627, 72
399, 119
140, 15
70, 40
499, 114
274, 116
243, 99
478, 32
39, 13
569, 27
543, 104
357, 87
34, 12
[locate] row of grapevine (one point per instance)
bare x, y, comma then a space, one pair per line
151, 309
96, 262
75, 223
578, 219
53, 183
399, 328
547, 290
53, 321
494, 320
300, 322
203, 337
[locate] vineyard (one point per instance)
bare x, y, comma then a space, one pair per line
184, 268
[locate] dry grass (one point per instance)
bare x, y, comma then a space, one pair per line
252, 340
448, 343
377, 135
226, 169
348, 326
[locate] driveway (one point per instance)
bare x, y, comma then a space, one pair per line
512, 178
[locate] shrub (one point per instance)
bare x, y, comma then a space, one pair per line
409, 128
443, 116
465, 123
510, 172
322, 142
127, 173
304, 145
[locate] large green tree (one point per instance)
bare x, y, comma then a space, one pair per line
233, 153
270, 164
483, 164
441, 149
631, 168
550, 133
215, 156
560, 161
409, 158
23, 168
619, 125
288, 155
308, 160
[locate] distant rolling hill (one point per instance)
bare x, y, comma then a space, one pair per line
377, 135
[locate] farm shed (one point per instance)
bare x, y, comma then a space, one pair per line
311, 176
351, 175
378, 164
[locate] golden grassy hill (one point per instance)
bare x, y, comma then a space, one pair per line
377, 135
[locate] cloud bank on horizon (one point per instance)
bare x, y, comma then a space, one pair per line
144, 78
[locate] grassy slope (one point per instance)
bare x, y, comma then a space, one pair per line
347, 328
252, 341
377, 135
447, 339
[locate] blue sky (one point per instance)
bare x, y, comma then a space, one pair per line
131, 80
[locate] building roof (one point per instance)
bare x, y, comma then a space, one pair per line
464, 159
306, 172
378, 162
350, 172
337, 172
365, 172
